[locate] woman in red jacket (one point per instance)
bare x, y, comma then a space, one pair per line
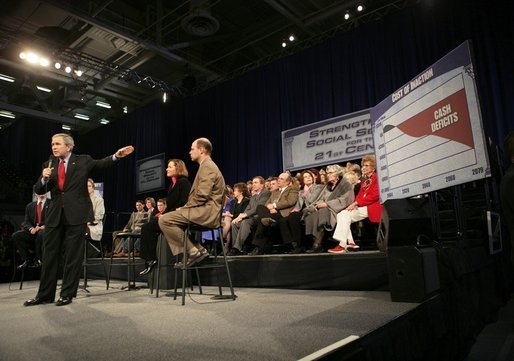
366, 205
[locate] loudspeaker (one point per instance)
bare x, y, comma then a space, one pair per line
413, 273
403, 220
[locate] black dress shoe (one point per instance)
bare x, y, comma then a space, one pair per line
36, 301
35, 264
149, 267
256, 251
234, 252
25, 264
63, 301
316, 248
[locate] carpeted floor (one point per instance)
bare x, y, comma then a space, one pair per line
262, 324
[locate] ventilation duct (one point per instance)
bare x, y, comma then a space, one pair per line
199, 21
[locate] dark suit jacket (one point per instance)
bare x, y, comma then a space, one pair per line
177, 196
30, 215
255, 201
74, 198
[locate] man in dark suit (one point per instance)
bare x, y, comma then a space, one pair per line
243, 224
65, 177
30, 237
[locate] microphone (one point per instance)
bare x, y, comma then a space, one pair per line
50, 160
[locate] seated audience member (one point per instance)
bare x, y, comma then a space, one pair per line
136, 221
161, 208
366, 205
320, 216
95, 229
229, 199
249, 187
278, 206
352, 178
30, 237
245, 222
176, 198
272, 184
291, 226
150, 206
322, 176
239, 204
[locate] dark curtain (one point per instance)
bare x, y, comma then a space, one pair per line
244, 117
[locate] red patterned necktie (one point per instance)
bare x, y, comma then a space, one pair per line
61, 175
38, 213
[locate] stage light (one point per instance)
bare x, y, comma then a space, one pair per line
360, 8
44, 62
81, 116
164, 97
43, 89
284, 44
65, 127
23, 55
57, 65
32, 58
347, 15
103, 104
104, 121
291, 37
67, 69
7, 78
7, 114
125, 109
78, 72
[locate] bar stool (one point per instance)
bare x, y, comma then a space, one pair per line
162, 262
131, 260
191, 227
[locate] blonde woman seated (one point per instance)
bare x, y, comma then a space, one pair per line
320, 216
366, 205
95, 229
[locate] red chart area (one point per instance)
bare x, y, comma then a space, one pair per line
455, 125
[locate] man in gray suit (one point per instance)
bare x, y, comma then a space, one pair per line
243, 224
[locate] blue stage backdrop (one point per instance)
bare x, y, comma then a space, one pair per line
244, 117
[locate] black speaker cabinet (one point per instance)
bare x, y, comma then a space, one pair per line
403, 220
413, 273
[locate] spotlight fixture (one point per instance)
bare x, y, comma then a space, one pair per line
67, 69
23, 55
7, 78
78, 72
44, 62
32, 58
360, 8
57, 65
164, 97
43, 89
347, 15
291, 37
284, 44
103, 104
125, 109
104, 121
81, 116
7, 114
